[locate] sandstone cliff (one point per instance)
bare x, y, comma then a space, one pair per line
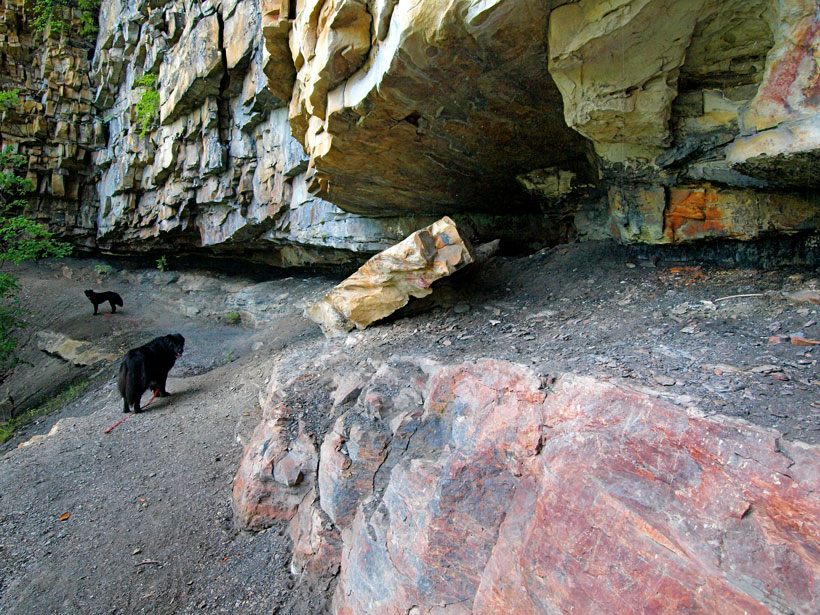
317, 131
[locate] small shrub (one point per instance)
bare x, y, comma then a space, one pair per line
147, 107
233, 318
21, 239
88, 18
162, 263
9, 99
102, 270
44, 16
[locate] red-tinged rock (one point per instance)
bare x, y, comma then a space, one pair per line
277, 471
317, 545
594, 499
804, 341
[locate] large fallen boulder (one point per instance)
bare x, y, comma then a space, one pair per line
483, 488
386, 282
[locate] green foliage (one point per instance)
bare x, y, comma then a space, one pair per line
21, 239
162, 263
9, 99
148, 104
55, 403
44, 16
233, 318
88, 18
10, 320
102, 270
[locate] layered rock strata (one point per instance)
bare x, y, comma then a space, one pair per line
323, 131
217, 166
482, 488
56, 126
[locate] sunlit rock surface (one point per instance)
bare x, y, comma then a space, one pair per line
386, 282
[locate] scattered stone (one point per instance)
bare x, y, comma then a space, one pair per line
804, 341
802, 296
665, 380
765, 369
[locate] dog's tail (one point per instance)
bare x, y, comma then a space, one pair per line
128, 383
122, 385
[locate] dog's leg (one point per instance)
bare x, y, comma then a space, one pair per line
161, 392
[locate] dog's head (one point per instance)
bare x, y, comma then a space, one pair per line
88, 293
176, 343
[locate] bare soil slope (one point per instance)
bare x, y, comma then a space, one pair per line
149, 527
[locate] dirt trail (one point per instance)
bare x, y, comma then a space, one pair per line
150, 528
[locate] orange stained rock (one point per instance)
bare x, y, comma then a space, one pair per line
694, 213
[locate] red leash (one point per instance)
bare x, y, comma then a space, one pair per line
130, 414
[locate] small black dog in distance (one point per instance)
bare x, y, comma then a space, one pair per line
96, 299
146, 368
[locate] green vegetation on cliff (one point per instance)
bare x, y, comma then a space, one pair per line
21, 239
52, 14
148, 104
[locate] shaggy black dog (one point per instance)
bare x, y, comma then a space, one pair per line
96, 299
146, 368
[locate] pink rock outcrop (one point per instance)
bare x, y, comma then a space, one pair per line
277, 472
478, 488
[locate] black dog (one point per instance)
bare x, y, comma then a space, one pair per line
146, 368
113, 299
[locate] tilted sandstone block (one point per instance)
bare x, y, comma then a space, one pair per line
386, 282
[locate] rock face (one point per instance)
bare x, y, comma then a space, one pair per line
56, 127
324, 131
386, 282
217, 166
478, 488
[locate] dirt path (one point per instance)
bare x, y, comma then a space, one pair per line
150, 528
